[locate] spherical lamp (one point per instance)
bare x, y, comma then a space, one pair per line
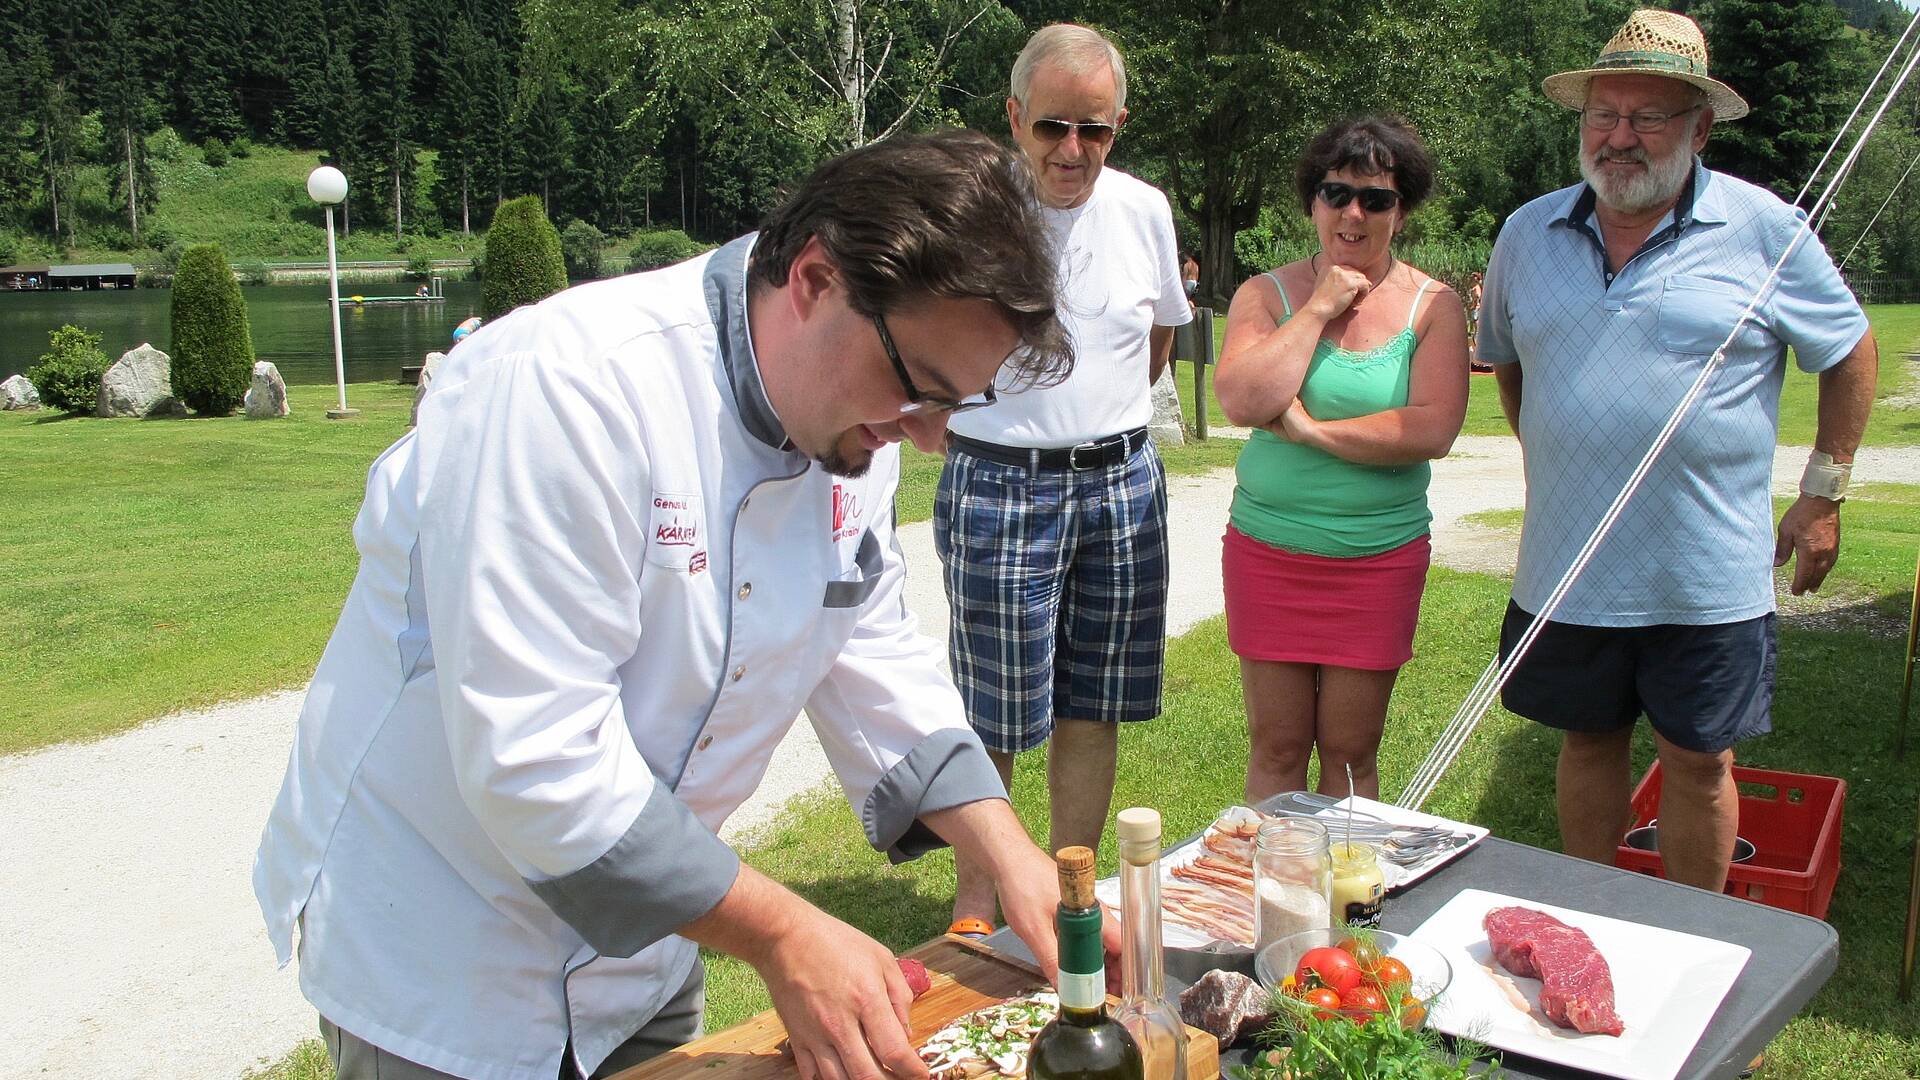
327, 185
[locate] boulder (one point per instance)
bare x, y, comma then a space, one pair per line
140, 383
1166, 427
428, 366
18, 393
267, 397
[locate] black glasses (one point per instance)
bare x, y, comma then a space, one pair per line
916, 400
1093, 134
1374, 200
1644, 123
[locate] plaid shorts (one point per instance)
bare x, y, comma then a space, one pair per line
1057, 584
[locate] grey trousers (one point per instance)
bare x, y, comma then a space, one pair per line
679, 1022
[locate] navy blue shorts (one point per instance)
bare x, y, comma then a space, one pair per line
1057, 586
1703, 688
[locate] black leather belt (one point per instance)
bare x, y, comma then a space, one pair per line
1097, 454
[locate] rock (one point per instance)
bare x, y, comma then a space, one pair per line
140, 383
267, 397
428, 366
1166, 427
18, 393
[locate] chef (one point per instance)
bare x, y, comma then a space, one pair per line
640, 526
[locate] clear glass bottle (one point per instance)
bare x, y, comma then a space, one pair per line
1144, 1009
1083, 1042
1292, 879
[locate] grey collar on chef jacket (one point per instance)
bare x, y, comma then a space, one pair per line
725, 283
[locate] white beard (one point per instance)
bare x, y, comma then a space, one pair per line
1657, 185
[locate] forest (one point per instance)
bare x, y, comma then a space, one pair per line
632, 115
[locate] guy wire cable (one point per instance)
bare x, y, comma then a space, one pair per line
1488, 687
1865, 96
1891, 192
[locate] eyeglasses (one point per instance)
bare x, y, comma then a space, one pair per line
916, 400
1645, 123
1093, 134
1374, 200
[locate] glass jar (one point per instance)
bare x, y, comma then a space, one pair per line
1358, 885
1292, 879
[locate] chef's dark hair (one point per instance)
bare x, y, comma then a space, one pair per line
949, 215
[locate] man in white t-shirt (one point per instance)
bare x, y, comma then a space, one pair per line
1051, 515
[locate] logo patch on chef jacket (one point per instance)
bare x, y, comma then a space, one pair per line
846, 513
677, 539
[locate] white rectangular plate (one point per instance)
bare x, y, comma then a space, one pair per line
1399, 877
1666, 987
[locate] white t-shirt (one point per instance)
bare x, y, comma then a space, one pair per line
1119, 278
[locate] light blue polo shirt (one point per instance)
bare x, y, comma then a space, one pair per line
1606, 361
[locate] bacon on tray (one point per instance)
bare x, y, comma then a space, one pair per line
1213, 894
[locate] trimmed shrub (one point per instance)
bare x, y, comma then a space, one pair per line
213, 152
653, 250
523, 262
580, 247
212, 348
419, 267
68, 374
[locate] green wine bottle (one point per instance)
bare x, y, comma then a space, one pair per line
1083, 1042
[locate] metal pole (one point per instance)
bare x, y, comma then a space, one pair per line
339, 361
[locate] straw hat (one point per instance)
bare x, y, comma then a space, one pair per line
1651, 43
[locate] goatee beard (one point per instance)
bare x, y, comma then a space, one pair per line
1658, 185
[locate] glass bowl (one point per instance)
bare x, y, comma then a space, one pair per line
1431, 972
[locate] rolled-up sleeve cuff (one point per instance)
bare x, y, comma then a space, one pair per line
666, 871
949, 768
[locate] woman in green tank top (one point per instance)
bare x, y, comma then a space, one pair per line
1351, 366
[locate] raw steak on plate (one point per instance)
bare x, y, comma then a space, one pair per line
1576, 986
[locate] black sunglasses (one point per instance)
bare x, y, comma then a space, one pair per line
1093, 134
917, 401
1374, 200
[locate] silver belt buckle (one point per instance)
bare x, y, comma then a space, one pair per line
1073, 456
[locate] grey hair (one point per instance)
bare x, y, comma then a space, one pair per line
1077, 49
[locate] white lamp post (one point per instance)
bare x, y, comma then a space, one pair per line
328, 186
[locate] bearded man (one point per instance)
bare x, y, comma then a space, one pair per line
1603, 303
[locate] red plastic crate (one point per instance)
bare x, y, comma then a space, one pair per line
1793, 822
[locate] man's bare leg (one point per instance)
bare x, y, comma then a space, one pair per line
1080, 766
973, 892
1594, 788
1699, 814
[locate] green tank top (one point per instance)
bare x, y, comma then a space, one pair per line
1303, 499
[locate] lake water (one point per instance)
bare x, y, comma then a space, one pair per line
289, 325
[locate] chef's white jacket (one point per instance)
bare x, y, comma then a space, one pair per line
595, 589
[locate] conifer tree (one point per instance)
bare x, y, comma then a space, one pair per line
523, 262
212, 353
1784, 57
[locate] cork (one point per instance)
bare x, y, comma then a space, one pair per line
1076, 876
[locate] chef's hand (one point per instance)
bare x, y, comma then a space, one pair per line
838, 991
844, 1003
1810, 535
1030, 900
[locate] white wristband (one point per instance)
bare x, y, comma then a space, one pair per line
1825, 478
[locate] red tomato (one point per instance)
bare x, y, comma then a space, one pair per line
1392, 976
1333, 968
1324, 1001
1364, 997
1364, 953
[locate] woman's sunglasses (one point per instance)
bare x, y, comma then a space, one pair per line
1374, 200
1053, 131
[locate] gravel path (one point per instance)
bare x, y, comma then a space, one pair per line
131, 941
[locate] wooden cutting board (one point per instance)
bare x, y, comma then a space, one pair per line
966, 976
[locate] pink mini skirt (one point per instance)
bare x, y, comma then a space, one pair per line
1292, 607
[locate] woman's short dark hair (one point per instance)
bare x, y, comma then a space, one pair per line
949, 215
1368, 145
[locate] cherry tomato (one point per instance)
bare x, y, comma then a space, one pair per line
1392, 976
1333, 968
1412, 1012
1325, 1002
1290, 986
1364, 953
1364, 997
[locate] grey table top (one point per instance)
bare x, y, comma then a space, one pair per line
1793, 955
